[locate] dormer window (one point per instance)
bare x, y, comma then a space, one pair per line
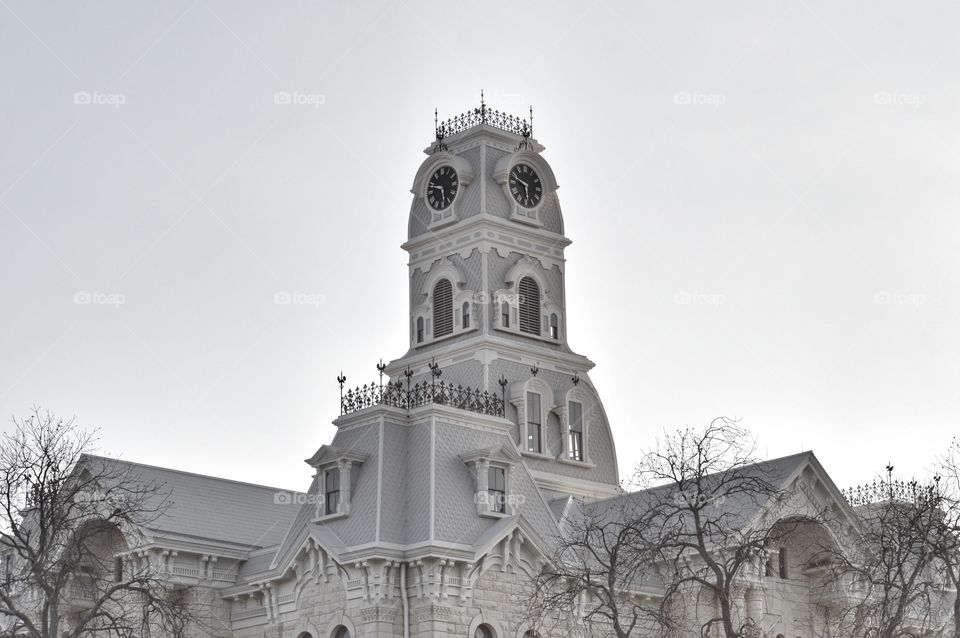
534, 423
575, 446
529, 306
336, 472
490, 468
442, 308
331, 491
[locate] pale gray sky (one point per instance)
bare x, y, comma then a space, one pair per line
762, 198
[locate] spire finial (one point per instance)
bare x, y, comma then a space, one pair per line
531, 120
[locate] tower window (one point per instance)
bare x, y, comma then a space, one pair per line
529, 306
497, 489
117, 569
784, 572
466, 314
331, 491
442, 308
504, 314
554, 327
419, 329
576, 431
534, 423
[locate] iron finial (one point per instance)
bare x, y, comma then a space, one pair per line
535, 369
341, 379
575, 378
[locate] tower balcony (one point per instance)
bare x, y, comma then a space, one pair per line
405, 396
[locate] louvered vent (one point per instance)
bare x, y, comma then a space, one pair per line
529, 306
442, 308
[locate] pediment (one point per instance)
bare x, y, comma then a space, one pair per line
328, 454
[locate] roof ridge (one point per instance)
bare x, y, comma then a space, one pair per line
188, 473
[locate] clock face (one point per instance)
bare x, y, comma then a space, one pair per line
442, 187
525, 185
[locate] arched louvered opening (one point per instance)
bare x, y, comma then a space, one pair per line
442, 308
529, 306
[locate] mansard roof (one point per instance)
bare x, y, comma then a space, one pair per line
209, 509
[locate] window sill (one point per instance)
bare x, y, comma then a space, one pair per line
490, 514
575, 463
530, 335
325, 518
537, 455
455, 333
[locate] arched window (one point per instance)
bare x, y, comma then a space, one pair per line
554, 326
340, 632
529, 306
419, 329
504, 314
530, 634
466, 314
483, 631
331, 491
442, 308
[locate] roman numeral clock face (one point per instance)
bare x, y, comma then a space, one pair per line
442, 187
525, 186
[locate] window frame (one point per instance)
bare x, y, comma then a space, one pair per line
327, 492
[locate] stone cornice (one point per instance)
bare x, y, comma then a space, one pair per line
485, 231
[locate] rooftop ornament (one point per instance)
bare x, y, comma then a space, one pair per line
482, 115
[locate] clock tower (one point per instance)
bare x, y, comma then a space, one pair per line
487, 296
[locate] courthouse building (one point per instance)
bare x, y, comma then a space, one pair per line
453, 471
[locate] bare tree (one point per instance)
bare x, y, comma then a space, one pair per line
693, 532
948, 542
601, 575
66, 520
897, 575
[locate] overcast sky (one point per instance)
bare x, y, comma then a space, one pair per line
762, 198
